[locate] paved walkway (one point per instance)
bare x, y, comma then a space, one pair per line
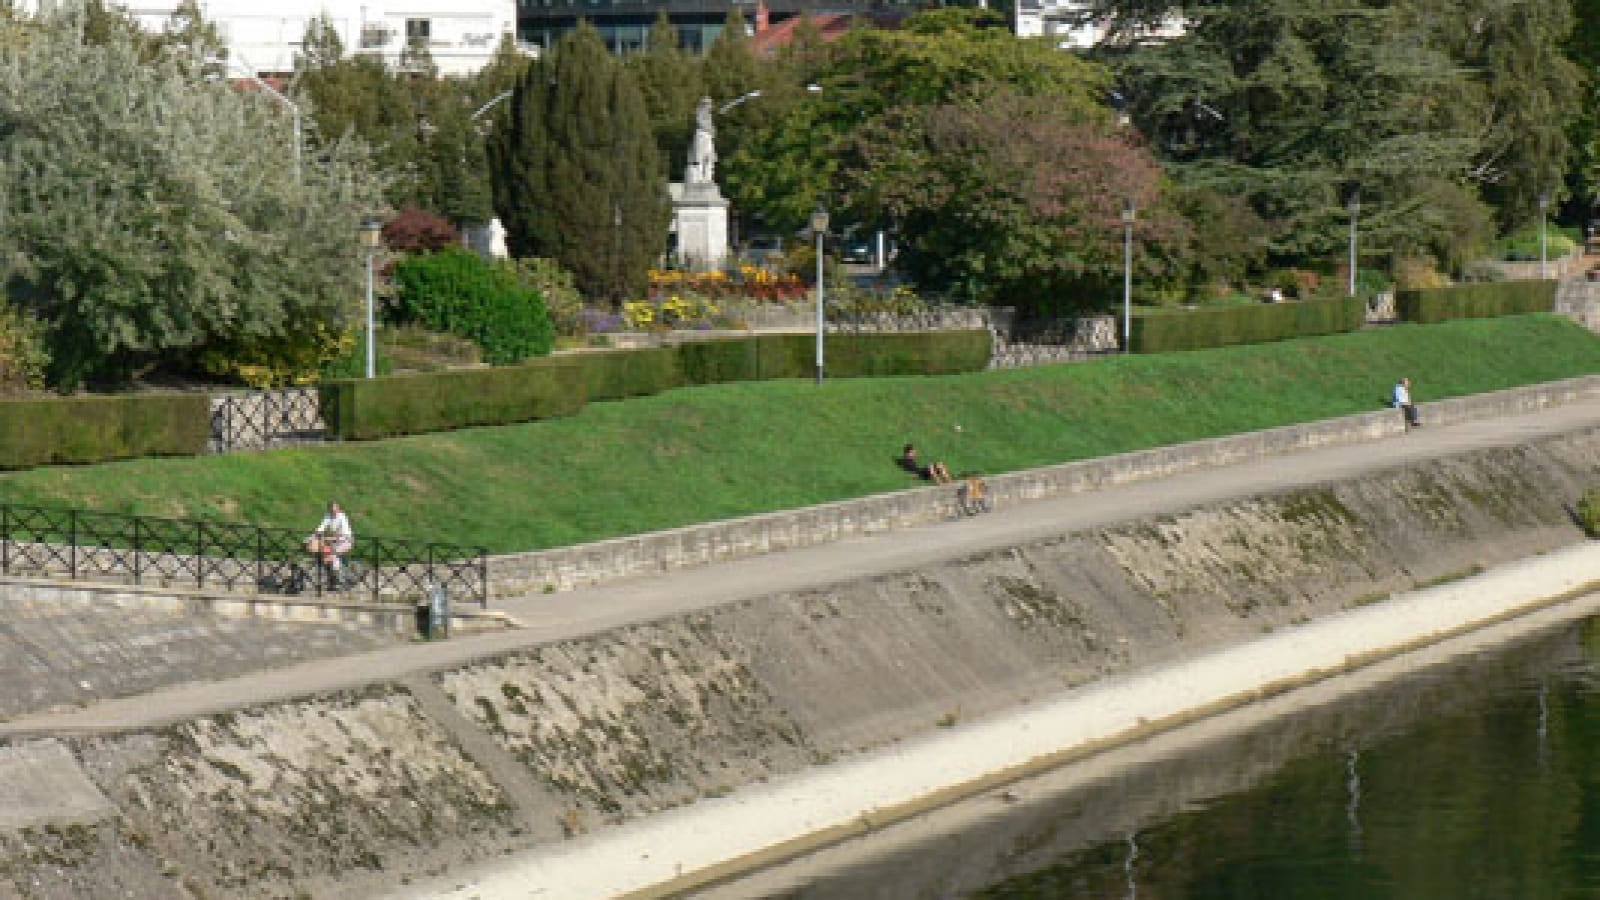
555, 617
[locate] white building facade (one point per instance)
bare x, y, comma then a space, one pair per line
1062, 21
265, 38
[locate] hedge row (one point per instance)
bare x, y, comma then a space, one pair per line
1159, 331
95, 429
1476, 301
367, 409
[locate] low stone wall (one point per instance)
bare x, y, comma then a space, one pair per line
697, 545
1555, 267
350, 793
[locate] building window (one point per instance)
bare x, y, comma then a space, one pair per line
374, 37
418, 31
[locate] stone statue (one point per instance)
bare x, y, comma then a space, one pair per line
703, 149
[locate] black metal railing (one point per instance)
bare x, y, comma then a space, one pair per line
264, 419
85, 545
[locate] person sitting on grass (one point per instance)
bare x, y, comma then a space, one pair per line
935, 472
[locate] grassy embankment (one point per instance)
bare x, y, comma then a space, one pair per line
706, 453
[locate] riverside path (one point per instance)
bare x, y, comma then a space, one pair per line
546, 618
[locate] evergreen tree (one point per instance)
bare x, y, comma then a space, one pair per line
1294, 107
669, 79
576, 173
1583, 48
1523, 94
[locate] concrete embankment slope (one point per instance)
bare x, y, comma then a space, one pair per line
352, 791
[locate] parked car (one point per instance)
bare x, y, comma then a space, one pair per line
858, 251
762, 248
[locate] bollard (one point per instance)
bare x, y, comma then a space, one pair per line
433, 614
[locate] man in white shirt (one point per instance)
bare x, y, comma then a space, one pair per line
1402, 401
333, 538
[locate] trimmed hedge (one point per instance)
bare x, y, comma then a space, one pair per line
1159, 331
1476, 301
617, 374
366, 409
95, 429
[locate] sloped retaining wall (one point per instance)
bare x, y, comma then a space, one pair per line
339, 794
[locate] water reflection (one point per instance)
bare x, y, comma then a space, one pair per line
1475, 778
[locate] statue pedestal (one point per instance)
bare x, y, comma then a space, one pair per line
700, 220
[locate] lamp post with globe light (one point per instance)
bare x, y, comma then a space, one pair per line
371, 239
819, 227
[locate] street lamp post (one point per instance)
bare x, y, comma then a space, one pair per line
1354, 205
819, 227
1544, 246
1129, 211
371, 237
494, 101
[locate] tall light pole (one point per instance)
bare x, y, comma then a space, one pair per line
1354, 205
819, 227
1129, 211
1544, 246
371, 237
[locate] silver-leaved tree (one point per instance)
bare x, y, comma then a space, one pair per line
157, 217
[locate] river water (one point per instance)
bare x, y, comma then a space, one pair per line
1477, 777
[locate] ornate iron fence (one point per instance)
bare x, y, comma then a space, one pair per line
263, 419
233, 556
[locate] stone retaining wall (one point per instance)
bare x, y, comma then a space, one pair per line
697, 545
351, 793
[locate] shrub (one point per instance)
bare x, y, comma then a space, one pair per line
419, 231
22, 355
561, 297
94, 429
1156, 331
455, 290
1589, 512
1476, 301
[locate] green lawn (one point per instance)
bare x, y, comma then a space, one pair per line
712, 452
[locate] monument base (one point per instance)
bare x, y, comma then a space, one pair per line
700, 220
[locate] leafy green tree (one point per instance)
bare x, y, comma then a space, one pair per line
1002, 196
418, 123
786, 166
576, 172
456, 290
153, 219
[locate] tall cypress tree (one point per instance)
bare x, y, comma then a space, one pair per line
576, 172
670, 80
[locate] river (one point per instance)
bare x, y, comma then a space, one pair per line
1456, 776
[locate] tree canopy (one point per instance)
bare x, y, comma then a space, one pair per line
155, 217
576, 173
